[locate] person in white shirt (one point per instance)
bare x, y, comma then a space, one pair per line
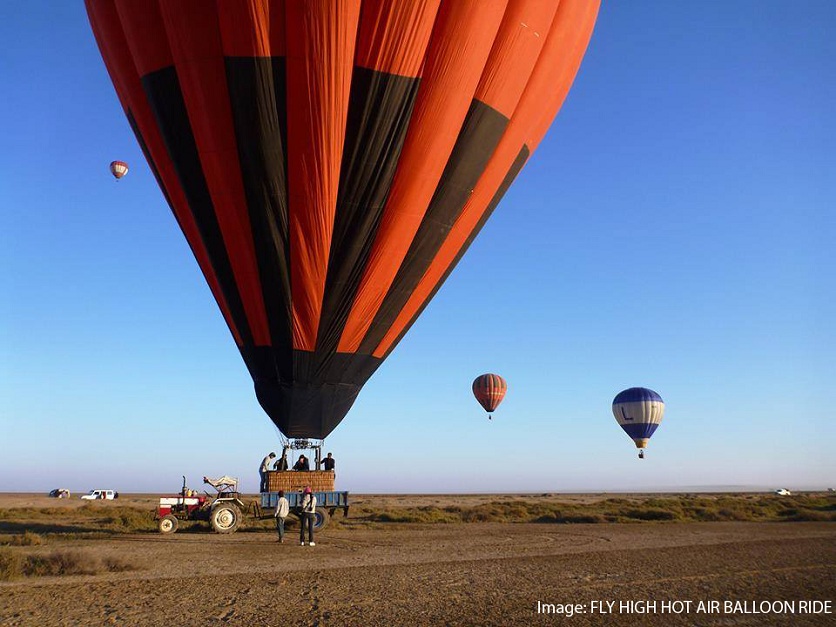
262, 470
282, 510
308, 510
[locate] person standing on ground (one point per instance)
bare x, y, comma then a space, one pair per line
329, 462
282, 510
262, 471
308, 509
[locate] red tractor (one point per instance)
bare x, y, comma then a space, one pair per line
223, 511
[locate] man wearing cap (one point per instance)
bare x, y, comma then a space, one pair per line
308, 509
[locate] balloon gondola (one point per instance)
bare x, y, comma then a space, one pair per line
330, 161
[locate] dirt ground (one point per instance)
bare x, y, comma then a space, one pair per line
441, 574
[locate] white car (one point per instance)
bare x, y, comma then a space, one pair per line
95, 495
783, 492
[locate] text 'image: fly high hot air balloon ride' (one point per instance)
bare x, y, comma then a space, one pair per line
639, 411
118, 169
330, 161
489, 390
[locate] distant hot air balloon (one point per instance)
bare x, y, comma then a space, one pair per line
639, 411
489, 390
118, 169
330, 161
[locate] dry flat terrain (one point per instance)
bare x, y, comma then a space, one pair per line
373, 573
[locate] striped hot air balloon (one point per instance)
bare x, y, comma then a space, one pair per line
118, 169
489, 390
639, 411
330, 161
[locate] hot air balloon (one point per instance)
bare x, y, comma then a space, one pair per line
330, 161
118, 169
639, 411
489, 390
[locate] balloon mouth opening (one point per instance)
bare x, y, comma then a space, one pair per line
641, 442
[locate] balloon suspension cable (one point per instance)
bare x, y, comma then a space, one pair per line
284, 441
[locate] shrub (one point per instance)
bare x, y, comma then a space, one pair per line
62, 562
27, 538
14, 564
11, 565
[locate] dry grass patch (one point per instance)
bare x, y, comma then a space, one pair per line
760, 508
33, 526
15, 564
27, 538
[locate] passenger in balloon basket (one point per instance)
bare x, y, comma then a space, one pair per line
302, 463
281, 463
262, 470
282, 510
329, 462
307, 520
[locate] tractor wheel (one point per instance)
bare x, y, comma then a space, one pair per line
321, 519
168, 524
225, 518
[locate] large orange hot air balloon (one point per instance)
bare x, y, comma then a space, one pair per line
489, 390
330, 161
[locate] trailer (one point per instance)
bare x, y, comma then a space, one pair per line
327, 504
293, 482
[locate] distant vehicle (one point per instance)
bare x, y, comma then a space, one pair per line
783, 492
60, 493
95, 495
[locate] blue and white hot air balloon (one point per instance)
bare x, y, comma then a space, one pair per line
639, 411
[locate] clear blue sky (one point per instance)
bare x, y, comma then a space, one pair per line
674, 230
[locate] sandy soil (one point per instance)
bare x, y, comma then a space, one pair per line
465, 574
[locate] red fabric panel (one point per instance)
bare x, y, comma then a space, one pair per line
108, 28
245, 28
104, 20
145, 34
461, 41
394, 35
552, 77
278, 21
320, 55
194, 36
573, 30
518, 44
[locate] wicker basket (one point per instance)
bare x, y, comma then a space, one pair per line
296, 481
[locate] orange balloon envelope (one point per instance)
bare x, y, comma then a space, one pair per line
118, 169
489, 390
330, 161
